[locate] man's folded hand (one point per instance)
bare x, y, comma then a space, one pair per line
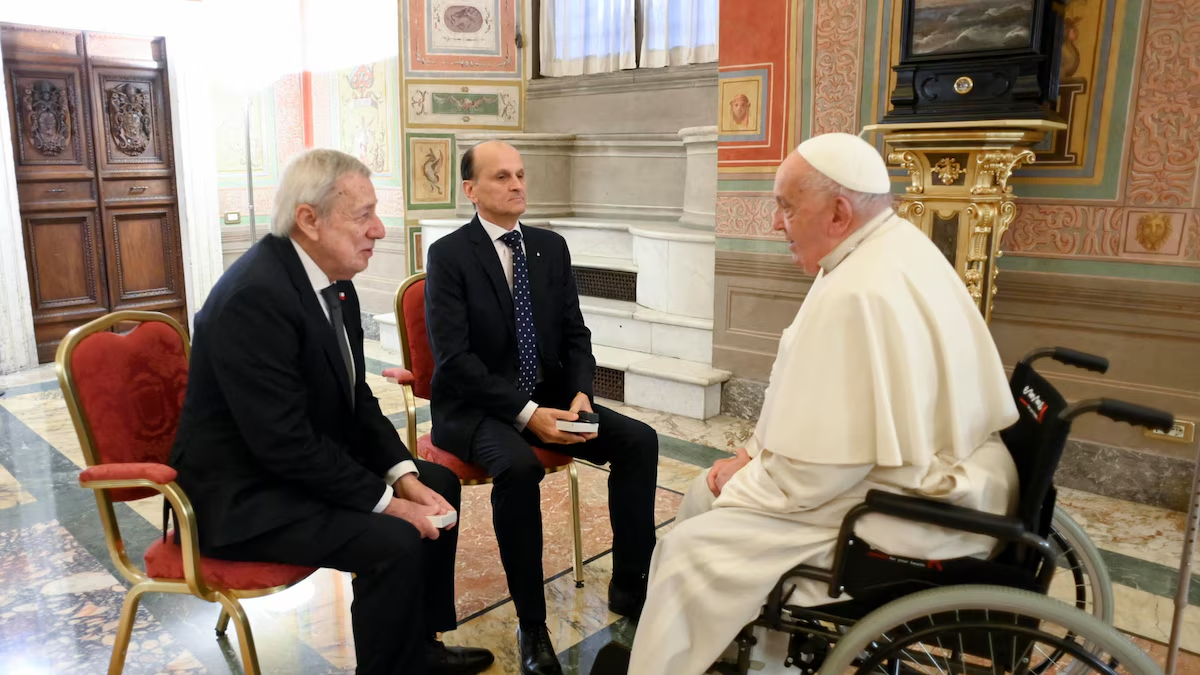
544, 425
415, 514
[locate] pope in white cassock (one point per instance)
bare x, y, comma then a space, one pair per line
887, 379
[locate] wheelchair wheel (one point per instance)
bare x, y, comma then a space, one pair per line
1081, 569
980, 630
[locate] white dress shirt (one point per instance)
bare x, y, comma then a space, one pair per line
506, 262
320, 280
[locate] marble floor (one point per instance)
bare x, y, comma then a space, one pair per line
60, 596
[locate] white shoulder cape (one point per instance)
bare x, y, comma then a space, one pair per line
888, 362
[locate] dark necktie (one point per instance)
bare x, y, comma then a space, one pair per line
333, 299
523, 308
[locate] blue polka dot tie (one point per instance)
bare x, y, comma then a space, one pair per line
523, 308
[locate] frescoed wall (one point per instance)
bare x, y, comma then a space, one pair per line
1120, 185
1105, 251
462, 70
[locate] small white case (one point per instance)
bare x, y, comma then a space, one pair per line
444, 520
578, 427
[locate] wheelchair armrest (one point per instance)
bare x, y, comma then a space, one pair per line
933, 512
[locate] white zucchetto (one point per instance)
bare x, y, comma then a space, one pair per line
848, 161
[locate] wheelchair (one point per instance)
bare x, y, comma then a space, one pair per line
967, 615
971, 615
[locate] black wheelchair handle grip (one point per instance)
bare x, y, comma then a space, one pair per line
1137, 415
1070, 357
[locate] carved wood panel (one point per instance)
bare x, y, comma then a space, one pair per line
66, 283
95, 176
50, 120
132, 126
144, 263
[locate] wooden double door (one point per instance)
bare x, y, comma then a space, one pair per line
91, 138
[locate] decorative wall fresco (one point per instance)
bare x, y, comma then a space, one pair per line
745, 100
365, 127
448, 38
758, 60
429, 163
464, 64
470, 104
1120, 184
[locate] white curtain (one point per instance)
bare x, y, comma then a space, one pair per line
581, 37
679, 32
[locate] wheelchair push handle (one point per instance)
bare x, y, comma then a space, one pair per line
1122, 411
1070, 357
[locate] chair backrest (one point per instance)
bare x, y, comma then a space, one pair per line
414, 338
1036, 443
125, 391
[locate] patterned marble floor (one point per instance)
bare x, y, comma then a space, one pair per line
60, 595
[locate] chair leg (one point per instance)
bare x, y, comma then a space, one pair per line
233, 610
125, 629
222, 622
573, 475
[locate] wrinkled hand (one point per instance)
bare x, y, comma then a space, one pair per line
581, 402
723, 469
544, 425
415, 514
409, 487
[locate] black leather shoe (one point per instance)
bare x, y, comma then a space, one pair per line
537, 654
626, 602
443, 660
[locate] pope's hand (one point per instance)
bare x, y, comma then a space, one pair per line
723, 469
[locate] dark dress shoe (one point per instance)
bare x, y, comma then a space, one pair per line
537, 654
626, 602
443, 660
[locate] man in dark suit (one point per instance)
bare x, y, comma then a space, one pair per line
283, 449
512, 358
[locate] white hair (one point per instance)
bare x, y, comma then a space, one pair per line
310, 179
866, 205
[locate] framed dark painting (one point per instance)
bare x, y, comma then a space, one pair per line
973, 59
968, 26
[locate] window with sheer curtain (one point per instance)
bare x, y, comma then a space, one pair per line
678, 32
582, 37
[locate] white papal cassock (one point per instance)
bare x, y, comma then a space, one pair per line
887, 379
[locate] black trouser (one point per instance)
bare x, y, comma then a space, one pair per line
628, 446
403, 586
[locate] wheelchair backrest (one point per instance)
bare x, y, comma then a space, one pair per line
1036, 443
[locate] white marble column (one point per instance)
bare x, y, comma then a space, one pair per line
18, 347
700, 183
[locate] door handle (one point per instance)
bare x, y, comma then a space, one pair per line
57, 190
138, 188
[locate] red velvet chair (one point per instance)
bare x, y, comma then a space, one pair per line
125, 394
415, 380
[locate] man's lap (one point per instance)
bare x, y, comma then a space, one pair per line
497, 444
341, 538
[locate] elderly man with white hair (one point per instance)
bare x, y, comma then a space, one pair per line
283, 448
887, 379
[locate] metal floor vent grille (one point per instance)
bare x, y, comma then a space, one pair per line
609, 284
609, 383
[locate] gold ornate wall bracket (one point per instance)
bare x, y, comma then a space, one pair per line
958, 189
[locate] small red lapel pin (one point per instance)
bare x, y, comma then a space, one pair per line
341, 296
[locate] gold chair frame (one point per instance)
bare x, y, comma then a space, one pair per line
410, 405
192, 583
